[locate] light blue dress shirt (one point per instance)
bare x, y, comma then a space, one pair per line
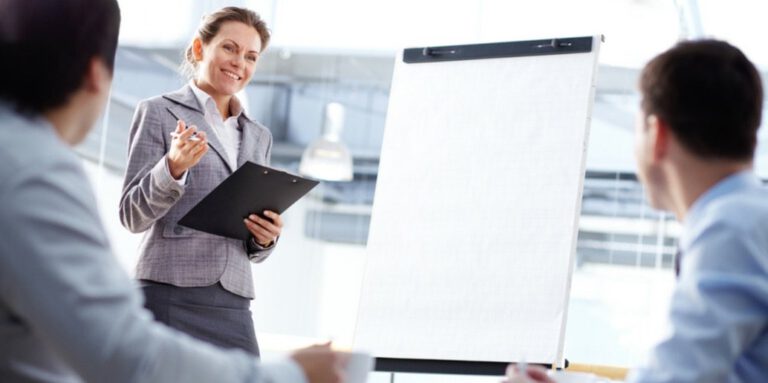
68, 312
719, 311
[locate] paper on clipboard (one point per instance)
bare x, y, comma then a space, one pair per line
251, 189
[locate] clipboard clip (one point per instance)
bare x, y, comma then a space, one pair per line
293, 180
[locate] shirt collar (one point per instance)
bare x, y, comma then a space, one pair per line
8, 112
204, 99
734, 182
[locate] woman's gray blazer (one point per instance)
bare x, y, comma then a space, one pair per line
152, 202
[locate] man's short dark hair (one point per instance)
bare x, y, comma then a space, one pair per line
711, 96
47, 45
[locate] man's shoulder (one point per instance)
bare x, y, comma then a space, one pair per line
741, 210
27, 142
30, 145
736, 221
730, 236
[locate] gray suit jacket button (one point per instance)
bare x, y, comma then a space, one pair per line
178, 229
174, 193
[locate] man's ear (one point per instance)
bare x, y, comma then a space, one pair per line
658, 136
97, 77
197, 49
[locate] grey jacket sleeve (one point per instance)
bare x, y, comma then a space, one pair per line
149, 191
58, 277
256, 252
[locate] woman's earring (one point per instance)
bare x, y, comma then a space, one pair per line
198, 50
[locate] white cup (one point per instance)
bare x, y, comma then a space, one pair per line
357, 367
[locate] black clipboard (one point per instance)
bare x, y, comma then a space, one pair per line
251, 189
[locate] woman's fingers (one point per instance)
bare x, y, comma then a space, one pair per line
199, 151
265, 230
193, 148
187, 148
261, 234
268, 225
188, 133
277, 220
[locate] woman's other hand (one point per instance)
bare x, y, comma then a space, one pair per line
265, 231
187, 148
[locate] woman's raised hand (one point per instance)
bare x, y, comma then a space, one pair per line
187, 148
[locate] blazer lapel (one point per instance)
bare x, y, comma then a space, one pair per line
191, 112
249, 143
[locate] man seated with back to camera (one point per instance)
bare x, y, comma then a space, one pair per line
694, 145
68, 312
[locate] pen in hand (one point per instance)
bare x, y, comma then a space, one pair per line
193, 137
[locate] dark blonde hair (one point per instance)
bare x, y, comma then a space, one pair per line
210, 26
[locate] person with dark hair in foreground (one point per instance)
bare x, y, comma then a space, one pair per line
68, 312
695, 143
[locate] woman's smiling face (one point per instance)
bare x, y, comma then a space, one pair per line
226, 63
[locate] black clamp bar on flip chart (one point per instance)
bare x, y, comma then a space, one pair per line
498, 50
449, 367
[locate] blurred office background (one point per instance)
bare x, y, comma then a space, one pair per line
343, 51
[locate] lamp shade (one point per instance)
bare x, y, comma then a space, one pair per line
327, 158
